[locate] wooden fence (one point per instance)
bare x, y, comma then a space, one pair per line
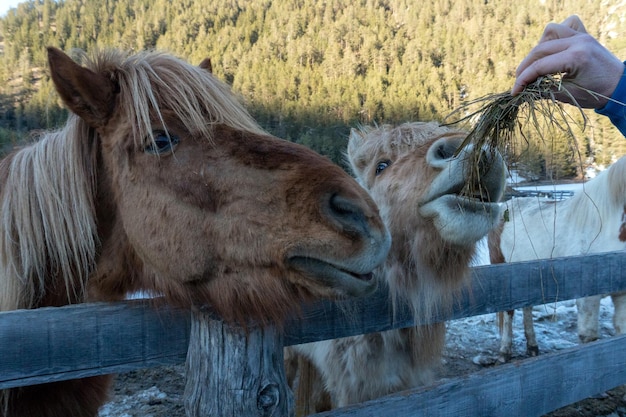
52, 344
557, 195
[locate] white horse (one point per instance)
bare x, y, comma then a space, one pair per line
436, 212
592, 221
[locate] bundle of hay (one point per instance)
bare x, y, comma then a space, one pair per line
497, 118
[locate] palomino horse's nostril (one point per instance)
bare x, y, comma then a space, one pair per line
487, 157
443, 150
485, 161
487, 176
347, 214
446, 149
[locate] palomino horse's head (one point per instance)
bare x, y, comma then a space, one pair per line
192, 200
418, 167
435, 209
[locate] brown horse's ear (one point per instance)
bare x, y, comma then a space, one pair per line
89, 95
206, 65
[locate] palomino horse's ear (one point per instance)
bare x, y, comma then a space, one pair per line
355, 141
89, 95
206, 65
357, 137
356, 134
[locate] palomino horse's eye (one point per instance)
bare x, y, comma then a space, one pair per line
163, 143
381, 166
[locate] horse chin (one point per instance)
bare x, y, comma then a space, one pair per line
462, 220
328, 280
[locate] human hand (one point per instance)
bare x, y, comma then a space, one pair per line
586, 65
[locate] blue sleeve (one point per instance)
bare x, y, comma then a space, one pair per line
615, 109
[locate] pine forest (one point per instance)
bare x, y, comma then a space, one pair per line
309, 70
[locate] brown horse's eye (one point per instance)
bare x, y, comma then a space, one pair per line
382, 165
163, 143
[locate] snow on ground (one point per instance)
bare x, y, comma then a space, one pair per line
477, 337
575, 187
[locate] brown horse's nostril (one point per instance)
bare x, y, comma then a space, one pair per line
348, 215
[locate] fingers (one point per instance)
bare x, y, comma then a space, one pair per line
556, 31
542, 50
575, 23
540, 61
571, 26
549, 57
548, 45
549, 64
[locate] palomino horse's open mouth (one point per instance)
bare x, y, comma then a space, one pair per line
463, 199
472, 198
472, 188
469, 204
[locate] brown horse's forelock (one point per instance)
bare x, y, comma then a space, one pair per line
150, 81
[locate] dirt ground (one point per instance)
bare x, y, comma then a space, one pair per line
158, 392
154, 392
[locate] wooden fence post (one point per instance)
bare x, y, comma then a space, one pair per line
232, 372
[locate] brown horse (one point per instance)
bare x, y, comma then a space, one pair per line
161, 181
436, 209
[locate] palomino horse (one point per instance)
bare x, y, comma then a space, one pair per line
160, 180
436, 212
592, 221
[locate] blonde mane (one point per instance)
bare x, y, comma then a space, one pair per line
41, 237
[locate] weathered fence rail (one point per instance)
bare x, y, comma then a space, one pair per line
54, 344
60, 343
532, 388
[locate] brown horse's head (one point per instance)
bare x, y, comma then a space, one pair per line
194, 201
435, 210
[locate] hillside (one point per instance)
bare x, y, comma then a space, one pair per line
310, 70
